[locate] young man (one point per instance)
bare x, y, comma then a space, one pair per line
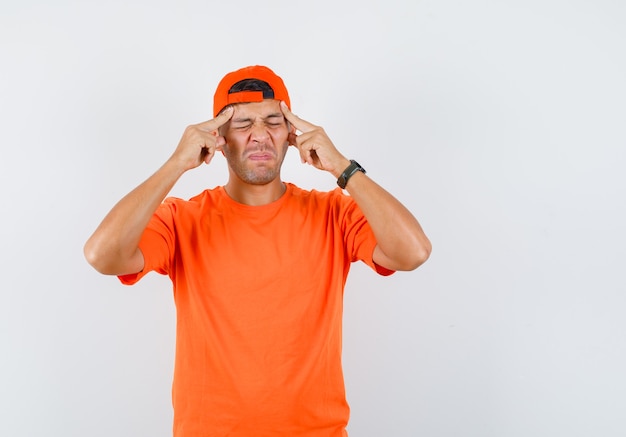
258, 265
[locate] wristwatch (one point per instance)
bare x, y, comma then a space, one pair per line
348, 172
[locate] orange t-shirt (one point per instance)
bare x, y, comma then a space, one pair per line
259, 293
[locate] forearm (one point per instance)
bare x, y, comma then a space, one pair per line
113, 248
401, 242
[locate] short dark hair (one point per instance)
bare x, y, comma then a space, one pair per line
253, 85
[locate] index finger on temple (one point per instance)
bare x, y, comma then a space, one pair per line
300, 124
218, 121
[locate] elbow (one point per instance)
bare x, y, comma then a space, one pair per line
422, 256
419, 254
110, 259
95, 258
91, 255
404, 256
418, 258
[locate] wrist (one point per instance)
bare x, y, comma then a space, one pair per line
175, 166
352, 168
340, 167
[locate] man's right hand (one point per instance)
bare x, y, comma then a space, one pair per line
113, 249
200, 141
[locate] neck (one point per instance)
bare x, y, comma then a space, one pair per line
254, 195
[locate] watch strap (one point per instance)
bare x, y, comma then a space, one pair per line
349, 172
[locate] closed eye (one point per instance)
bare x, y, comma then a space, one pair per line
272, 121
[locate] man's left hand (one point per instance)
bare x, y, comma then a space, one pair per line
314, 145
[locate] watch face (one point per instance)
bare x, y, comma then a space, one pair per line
348, 172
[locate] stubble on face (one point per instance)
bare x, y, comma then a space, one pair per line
255, 174
256, 142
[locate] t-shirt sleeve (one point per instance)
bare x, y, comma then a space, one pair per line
157, 243
358, 235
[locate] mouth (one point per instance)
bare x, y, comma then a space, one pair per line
261, 156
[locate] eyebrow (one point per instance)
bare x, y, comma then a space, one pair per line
249, 119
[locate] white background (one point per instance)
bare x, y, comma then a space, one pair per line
500, 124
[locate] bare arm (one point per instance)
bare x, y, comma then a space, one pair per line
113, 249
401, 242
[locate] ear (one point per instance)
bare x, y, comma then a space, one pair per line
291, 128
291, 139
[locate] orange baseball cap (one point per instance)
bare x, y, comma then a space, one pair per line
225, 95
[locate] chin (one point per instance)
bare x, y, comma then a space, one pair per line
259, 178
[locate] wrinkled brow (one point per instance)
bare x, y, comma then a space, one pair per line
275, 115
245, 119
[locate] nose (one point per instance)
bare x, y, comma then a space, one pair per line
259, 132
